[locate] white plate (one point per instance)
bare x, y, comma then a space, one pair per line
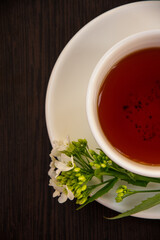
66, 93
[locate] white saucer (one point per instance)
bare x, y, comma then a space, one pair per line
66, 93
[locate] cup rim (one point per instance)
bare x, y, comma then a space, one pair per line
130, 44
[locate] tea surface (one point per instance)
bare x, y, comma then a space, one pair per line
129, 106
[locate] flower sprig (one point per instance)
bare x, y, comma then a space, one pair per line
123, 192
73, 165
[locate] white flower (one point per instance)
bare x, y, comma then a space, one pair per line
52, 173
59, 146
59, 160
62, 191
64, 163
66, 194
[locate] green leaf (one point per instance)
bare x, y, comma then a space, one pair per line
101, 192
144, 205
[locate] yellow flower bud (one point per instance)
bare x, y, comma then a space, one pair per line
77, 169
83, 188
82, 201
82, 178
91, 164
77, 174
80, 196
97, 166
120, 195
79, 190
119, 190
103, 165
118, 199
76, 195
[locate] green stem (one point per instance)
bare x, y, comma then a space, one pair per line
88, 155
140, 191
83, 161
139, 180
79, 162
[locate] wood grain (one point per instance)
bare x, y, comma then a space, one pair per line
32, 35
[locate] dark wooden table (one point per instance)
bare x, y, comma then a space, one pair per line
32, 35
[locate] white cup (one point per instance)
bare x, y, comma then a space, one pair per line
123, 48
